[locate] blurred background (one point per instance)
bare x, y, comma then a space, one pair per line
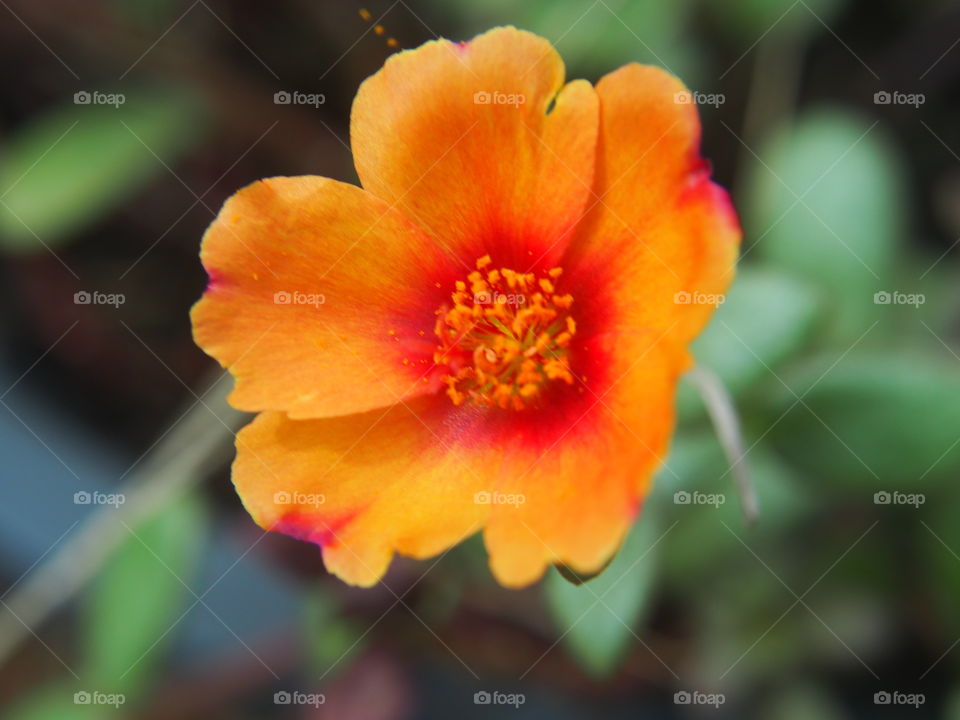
133, 584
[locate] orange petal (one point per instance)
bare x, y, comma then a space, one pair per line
421, 476
661, 240
462, 138
318, 296
582, 490
365, 485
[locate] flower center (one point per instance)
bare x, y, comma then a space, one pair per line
505, 337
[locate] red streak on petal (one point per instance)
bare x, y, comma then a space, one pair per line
214, 279
318, 528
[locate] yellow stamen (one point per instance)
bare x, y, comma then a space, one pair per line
506, 340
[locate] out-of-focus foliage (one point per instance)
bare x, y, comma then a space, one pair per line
600, 614
594, 37
748, 19
824, 204
843, 391
885, 421
77, 161
139, 594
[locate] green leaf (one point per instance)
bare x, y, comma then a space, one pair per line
593, 38
749, 19
66, 168
601, 616
55, 702
940, 540
766, 317
139, 594
332, 640
804, 702
871, 416
824, 203
952, 711
701, 542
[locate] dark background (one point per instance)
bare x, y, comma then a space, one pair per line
184, 606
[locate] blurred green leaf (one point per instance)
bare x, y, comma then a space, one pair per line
601, 616
702, 542
766, 317
952, 711
66, 168
149, 13
593, 38
825, 202
332, 640
735, 612
749, 19
940, 543
872, 422
139, 594
54, 702
804, 702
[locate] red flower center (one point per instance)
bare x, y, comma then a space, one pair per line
505, 337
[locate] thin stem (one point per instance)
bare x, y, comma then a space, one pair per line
193, 448
723, 415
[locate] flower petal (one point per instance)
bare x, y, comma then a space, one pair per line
421, 476
321, 298
583, 489
661, 233
364, 485
509, 176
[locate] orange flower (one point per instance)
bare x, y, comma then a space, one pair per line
488, 334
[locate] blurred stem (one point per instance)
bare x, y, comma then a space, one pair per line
774, 87
723, 415
196, 445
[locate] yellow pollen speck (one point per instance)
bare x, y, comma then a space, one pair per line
365, 14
